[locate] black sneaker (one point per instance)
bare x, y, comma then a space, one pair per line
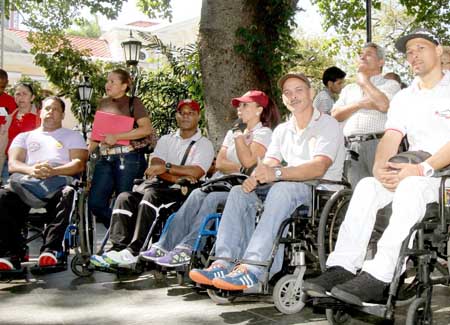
362, 289
318, 287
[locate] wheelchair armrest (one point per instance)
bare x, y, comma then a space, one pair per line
234, 179
316, 182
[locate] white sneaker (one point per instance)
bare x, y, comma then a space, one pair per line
124, 258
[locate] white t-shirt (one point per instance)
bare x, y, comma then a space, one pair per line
172, 147
365, 121
259, 134
51, 146
322, 137
423, 115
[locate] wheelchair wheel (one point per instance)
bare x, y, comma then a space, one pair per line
220, 297
337, 316
331, 218
80, 266
418, 313
286, 299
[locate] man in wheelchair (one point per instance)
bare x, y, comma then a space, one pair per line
181, 154
43, 157
312, 146
421, 112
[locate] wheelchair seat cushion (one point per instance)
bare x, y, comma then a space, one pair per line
410, 157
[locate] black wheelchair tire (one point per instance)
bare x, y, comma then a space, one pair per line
417, 313
328, 230
337, 317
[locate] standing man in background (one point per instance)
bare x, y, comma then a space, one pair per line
333, 79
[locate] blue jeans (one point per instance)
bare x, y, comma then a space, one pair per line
183, 230
108, 178
5, 172
239, 239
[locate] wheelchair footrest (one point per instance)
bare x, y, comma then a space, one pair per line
38, 270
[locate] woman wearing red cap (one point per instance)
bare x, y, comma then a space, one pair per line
243, 145
117, 166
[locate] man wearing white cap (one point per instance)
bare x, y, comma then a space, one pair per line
422, 112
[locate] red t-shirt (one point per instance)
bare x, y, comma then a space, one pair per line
7, 101
28, 122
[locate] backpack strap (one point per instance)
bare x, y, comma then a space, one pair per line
186, 153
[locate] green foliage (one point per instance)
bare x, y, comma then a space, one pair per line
56, 15
270, 46
179, 79
155, 8
36, 85
88, 28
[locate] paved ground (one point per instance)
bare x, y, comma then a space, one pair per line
62, 298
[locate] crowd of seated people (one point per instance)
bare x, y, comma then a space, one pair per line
369, 117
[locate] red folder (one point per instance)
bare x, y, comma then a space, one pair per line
107, 123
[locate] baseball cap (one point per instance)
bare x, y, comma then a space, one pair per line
256, 96
189, 102
400, 44
297, 75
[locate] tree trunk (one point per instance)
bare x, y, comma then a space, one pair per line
225, 74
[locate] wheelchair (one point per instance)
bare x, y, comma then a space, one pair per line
299, 235
425, 260
34, 227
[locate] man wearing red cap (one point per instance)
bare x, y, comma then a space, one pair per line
421, 112
182, 154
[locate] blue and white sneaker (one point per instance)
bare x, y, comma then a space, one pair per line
238, 279
206, 276
98, 261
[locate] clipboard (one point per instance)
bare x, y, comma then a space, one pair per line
107, 123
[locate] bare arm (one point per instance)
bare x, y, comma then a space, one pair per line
144, 128
158, 168
248, 154
225, 165
313, 169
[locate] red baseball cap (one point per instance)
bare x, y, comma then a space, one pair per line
256, 96
189, 102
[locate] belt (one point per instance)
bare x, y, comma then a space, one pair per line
115, 150
363, 137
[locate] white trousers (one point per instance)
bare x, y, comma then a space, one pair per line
408, 207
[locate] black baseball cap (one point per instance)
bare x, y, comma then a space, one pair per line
400, 44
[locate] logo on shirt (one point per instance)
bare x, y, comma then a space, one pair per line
444, 113
59, 145
34, 146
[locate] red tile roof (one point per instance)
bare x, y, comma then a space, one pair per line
142, 23
98, 47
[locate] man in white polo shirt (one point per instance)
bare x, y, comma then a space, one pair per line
184, 153
422, 112
362, 107
312, 146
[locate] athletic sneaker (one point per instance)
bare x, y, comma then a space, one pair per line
238, 279
206, 276
177, 257
98, 261
6, 265
152, 254
47, 259
124, 258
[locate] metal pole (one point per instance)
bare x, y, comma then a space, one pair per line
369, 20
3, 34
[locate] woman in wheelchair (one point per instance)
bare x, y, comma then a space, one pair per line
243, 145
66, 154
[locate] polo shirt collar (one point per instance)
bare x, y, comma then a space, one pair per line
444, 82
315, 117
195, 137
376, 78
256, 127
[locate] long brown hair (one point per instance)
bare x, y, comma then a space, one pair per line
270, 115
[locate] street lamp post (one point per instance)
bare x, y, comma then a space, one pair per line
369, 20
85, 91
131, 50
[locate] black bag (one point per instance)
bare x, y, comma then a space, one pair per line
224, 183
146, 144
410, 157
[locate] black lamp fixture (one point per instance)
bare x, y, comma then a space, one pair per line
85, 89
131, 50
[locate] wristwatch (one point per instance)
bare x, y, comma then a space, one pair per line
168, 166
427, 169
278, 173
